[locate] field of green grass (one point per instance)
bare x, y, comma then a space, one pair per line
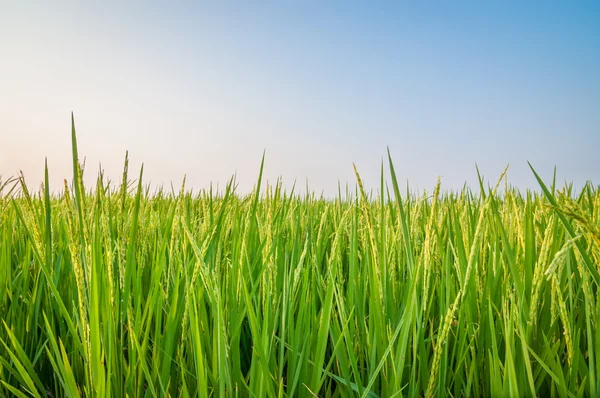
114, 292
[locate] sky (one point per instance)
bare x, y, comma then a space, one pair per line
203, 90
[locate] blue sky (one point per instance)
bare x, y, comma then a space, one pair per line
202, 90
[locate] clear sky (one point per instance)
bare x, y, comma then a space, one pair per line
202, 90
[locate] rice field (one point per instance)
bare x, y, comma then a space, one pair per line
111, 291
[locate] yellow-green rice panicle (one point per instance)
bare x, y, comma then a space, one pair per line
429, 244
564, 318
371, 234
476, 240
440, 346
548, 239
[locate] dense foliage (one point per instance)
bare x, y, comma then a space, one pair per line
115, 291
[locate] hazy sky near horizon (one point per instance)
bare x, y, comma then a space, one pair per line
202, 90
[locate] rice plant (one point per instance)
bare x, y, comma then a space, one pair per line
114, 292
